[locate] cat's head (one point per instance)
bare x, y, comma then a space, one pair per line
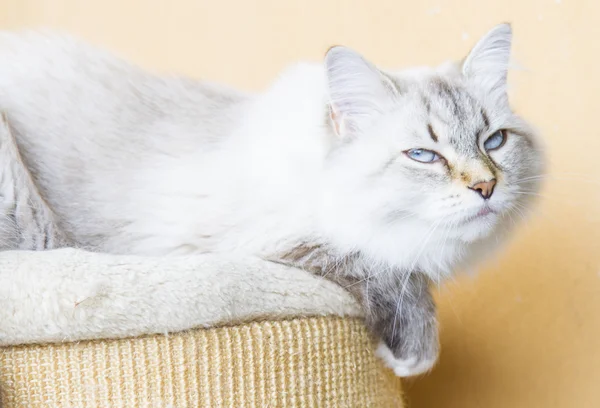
433, 151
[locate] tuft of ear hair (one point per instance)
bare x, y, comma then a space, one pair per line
358, 91
487, 63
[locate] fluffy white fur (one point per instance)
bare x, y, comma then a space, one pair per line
404, 367
70, 294
133, 163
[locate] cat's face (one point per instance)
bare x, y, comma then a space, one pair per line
435, 152
462, 162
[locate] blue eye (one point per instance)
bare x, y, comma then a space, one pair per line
495, 141
422, 155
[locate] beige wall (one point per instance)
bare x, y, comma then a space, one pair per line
524, 332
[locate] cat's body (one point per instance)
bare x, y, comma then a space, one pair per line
26, 221
90, 127
140, 164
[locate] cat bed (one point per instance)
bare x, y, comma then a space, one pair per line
79, 329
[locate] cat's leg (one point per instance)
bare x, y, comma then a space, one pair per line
401, 312
26, 221
398, 306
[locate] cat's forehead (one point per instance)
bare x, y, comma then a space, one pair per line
453, 114
451, 102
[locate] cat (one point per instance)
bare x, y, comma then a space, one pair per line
383, 181
26, 221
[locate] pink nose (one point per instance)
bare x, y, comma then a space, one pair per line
484, 188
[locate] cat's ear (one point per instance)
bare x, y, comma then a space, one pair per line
487, 63
358, 91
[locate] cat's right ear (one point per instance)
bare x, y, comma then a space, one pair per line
358, 91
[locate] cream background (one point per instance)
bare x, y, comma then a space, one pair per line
524, 331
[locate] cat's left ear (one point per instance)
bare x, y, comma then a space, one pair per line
358, 91
487, 63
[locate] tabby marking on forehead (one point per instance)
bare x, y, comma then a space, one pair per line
432, 133
486, 120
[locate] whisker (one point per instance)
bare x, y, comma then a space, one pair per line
400, 301
425, 240
559, 177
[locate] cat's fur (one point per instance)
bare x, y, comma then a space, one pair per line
313, 172
26, 221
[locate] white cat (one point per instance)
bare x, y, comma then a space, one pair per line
379, 180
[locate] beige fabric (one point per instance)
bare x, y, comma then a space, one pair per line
70, 294
304, 362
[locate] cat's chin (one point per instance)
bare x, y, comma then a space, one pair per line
479, 229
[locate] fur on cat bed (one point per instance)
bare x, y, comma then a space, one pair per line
81, 329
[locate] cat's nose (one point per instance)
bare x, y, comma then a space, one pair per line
484, 188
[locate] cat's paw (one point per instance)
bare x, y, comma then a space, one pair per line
405, 367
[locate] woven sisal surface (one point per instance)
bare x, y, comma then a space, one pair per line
305, 362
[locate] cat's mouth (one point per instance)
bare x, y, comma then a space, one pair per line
484, 212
